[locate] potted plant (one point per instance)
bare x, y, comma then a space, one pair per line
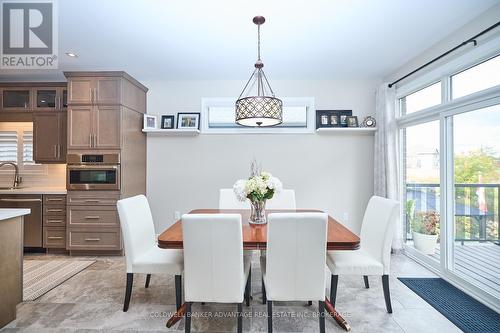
425, 230
261, 186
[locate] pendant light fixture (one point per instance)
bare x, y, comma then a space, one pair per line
263, 109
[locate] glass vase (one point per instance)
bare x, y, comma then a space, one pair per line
258, 212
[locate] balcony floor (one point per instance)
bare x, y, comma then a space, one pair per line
479, 263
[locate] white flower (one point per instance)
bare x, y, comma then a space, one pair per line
275, 184
265, 175
239, 190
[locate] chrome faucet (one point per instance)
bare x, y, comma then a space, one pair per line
17, 179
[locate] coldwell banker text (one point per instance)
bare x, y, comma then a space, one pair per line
29, 35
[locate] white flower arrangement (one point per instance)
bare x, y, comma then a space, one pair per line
260, 187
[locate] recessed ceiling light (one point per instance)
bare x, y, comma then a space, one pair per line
71, 54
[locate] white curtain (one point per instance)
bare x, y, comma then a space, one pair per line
386, 159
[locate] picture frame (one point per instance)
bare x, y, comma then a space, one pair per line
150, 122
167, 122
332, 118
352, 121
188, 120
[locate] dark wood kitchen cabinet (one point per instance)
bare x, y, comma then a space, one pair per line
94, 126
50, 98
49, 137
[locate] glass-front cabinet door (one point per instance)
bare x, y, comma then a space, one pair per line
46, 98
16, 98
50, 98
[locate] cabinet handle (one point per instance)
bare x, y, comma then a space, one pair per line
92, 239
55, 151
91, 200
92, 217
54, 210
55, 221
54, 199
90, 138
58, 151
54, 237
95, 140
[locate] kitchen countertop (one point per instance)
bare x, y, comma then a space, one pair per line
35, 190
8, 213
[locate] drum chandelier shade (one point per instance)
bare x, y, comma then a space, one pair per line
263, 109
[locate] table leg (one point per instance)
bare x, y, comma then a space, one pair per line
338, 318
177, 315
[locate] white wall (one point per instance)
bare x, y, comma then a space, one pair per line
328, 172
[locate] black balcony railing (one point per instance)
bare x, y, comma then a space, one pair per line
477, 214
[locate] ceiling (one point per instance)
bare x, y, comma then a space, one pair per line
216, 40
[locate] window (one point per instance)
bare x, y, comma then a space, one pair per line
16, 145
477, 78
421, 99
218, 117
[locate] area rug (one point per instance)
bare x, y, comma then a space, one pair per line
468, 314
40, 276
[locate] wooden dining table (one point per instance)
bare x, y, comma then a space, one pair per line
255, 235
255, 238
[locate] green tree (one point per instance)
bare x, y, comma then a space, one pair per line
478, 163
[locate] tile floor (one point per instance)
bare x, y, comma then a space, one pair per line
92, 301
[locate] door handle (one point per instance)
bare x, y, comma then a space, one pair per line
92, 239
20, 200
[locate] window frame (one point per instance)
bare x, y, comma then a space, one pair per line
308, 102
444, 113
25, 169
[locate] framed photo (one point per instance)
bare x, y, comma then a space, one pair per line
149, 122
352, 121
188, 120
332, 118
167, 122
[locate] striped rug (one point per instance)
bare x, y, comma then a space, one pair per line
40, 276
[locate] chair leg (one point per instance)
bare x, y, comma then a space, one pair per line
309, 303
148, 279
367, 284
239, 315
270, 316
178, 291
187, 324
264, 298
248, 287
321, 309
333, 289
387, 295
128, 291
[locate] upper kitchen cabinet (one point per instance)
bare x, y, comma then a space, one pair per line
16, 98
49, 132
106, 88
50, 98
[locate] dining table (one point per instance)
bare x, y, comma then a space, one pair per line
255, 238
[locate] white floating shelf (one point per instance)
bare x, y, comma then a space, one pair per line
172, 132
347, 130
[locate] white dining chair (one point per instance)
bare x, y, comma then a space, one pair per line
283, 200
294, 265
215, 269
142, 254
374, 255
228, 200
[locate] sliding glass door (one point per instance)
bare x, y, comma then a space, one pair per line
475, 163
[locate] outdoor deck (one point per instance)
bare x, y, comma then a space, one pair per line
478, 262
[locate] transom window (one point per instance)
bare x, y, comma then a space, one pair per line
219, 117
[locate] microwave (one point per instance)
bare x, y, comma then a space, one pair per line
93, 172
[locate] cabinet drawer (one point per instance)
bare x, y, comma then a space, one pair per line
94, 240
54, 237
93, 198
54, 199
95, 216
54, 221
54, 210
